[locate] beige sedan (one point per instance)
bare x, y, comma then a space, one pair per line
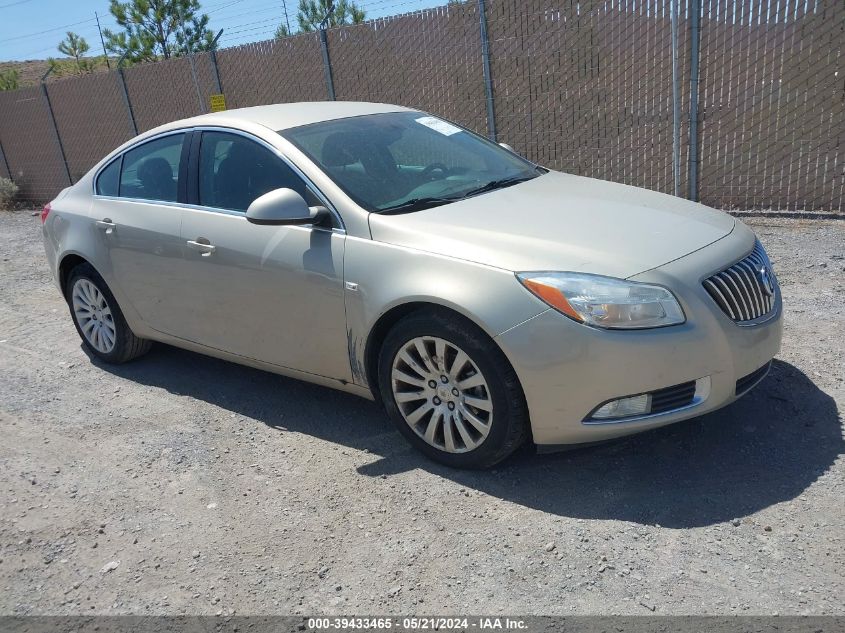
485, 300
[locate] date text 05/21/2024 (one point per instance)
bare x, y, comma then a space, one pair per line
417, 623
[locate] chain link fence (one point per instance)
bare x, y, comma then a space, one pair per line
91, 117
275, 71
586, 87
31, 145
772, 103
429, 60
750, 114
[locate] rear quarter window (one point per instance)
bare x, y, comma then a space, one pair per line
109, 179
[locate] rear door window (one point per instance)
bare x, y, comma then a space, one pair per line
151, 171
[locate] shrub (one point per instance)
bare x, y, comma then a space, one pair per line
8, 191
9, 79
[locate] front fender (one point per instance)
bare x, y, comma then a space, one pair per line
381, 277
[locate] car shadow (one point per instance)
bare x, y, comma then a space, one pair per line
764, 449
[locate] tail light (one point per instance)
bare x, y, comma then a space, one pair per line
45, 212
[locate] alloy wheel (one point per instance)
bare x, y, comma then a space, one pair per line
442, 394
92, 313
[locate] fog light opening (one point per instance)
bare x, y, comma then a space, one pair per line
624, 407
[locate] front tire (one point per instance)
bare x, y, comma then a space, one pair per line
98, 318
451, 391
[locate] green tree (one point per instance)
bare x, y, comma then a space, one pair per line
312, 13
282, 31
9, 79
158, 29
74, 46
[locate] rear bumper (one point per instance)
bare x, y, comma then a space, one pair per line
51, 252
567, 369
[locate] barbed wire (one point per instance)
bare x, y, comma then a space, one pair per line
50, 30
227, 20
243, 24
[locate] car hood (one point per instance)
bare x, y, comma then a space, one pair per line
560, 222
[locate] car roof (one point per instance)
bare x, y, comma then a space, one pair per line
275, 117
281, 116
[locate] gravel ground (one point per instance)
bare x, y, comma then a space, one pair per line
183, 484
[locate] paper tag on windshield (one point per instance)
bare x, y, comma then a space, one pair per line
439, 125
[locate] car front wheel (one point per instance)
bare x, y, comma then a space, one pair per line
98, 318
450, 390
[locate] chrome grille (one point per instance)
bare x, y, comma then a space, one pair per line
745, 291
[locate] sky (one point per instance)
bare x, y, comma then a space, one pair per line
31, 29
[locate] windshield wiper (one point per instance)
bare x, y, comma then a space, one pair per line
497, 184
418, 204
415, 204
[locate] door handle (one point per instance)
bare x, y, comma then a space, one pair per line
106, 224
203, 247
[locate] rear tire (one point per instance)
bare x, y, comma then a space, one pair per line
451, 391
99, 320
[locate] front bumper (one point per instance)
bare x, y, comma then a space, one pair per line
567, 369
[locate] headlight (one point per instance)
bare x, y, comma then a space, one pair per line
605, 302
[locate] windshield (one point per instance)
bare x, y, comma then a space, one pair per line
407, 161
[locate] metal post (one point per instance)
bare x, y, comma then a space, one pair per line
122, 81
327, 64
5, 161
287, 20
55, 126
217, 83
488, 81
676, 102
196, 82
214, 62
102, 41
695, 36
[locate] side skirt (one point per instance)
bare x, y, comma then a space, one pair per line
340, 385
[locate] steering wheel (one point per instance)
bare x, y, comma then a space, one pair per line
434, 167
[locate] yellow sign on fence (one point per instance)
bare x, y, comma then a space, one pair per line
218, 103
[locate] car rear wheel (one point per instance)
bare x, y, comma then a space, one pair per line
98, 318
450, 390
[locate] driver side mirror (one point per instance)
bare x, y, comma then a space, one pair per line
508, 147
285, 207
